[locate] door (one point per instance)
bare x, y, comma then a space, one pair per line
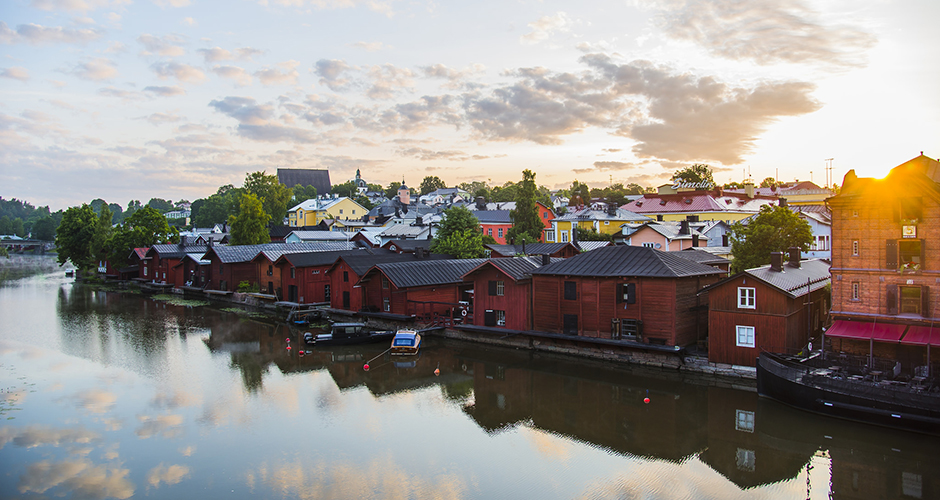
570, 324
292, 293
345, 300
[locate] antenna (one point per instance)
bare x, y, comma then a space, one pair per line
828, 172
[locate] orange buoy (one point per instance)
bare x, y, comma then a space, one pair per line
437, 372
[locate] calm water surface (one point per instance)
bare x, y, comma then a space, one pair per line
108, 395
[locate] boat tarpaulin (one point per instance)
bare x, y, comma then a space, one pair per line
881, 332
922, 335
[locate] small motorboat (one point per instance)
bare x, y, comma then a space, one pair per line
347, 334
406, 343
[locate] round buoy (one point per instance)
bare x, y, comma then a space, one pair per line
288, 340
646, 400
365, 367
437, 372
288, 348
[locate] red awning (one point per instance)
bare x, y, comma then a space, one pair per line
882, 332
922, 335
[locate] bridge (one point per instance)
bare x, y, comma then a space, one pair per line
18, 246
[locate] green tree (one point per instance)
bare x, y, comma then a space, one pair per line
506, 192
302, 194
102, 234
773, 229
6, 225
699, 172
459, 234
347, 189
44, 229
18, 228
431, 183
160, 204
633, 188
769, 182
273, 195
74, 236
392, 190
118, 212
249, 227
527, 226
143, 229
579, 194
216, 209
96, 205
132, 206
591, 234
733, 185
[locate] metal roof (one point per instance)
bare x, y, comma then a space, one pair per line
624, 260
311, 259
318, 178
427, 272
492, 216
360, 263
812, 275
587, 246
174, 250
517, 268
245, 253
529, 248
697, 255
623, 214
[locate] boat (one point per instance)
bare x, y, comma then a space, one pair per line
347, 334
405, 343
825, 387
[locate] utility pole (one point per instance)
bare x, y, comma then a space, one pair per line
829, 172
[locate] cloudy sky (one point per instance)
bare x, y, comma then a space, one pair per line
135, 99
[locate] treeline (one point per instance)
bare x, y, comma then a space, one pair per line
21, 219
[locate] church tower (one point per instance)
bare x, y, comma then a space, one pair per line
404, 194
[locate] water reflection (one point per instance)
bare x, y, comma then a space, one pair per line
133, 396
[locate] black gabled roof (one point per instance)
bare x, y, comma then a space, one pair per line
492, 216
427, 272
701, 256
517, 268
625, 260
317, 178
410, 244
529, 248
311, 259
812, 275
244, 253
174, 250
361, 263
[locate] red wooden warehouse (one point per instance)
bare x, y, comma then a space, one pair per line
502, 292
623, 293
430, 290
775, 308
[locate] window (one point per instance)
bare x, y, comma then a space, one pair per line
384, 283
386, 306
500, 232
909, 254
354, 211
648, 244
544, 215
500, 318
550, 236
745, 336
220, 268
270, 270
856, 291
744, 421
854, 247
564, 237
314, 272
326, 293
747, 297
910, 300
489, 231
293, 272
821, 243
341, 211
626, 293
346, 276
571, 290
746, 460
500, 288
606, 222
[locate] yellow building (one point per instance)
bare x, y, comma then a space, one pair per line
601, 221
311, 212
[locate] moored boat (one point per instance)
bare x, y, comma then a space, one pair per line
822, 387
347, 334
406, 342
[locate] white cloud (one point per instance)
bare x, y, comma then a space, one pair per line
274, 76
36, 34
188, 21
333, 74
545, 27
15, 73
165, 91
98, 69
166, 46
239, 75
388, 81
182, 72
171, 3
76, 5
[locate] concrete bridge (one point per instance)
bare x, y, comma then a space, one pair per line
17, 246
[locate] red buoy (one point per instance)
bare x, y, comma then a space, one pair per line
288, 348
437, 372
646, 400
365, 367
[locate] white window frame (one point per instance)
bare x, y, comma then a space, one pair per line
744, 421
744, 336
856, 291
855, 247
649, 244
500, 288
747, 297
386, 304
500, 318
550, 236
564, 237
500, 232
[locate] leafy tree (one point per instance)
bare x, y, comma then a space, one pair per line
249, 227
431, 183
160, 204
489, 240
132, 206
347, 189
144, 228
769, 182
217, 208
6, 225
506, 192
96, 205
699, 172
18, 228
633, 188
591, 234
392, 190
302, 194
579, 194
459, 234
773, 229
44, 229
181, 203
4, 252
102, 234
375, 187
73, 238
273, 195
733, 185
527, 226
118, 212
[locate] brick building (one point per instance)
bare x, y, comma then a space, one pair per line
885, 260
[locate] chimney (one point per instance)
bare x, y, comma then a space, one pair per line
419, 221
419, 253
794, 257
776, 261
546, 259
611, 209
182, 240
694, 240
783, 202
749, 189
210, 243
523, 246
481, 203
684, 227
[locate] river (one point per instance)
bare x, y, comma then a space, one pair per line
120, 395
